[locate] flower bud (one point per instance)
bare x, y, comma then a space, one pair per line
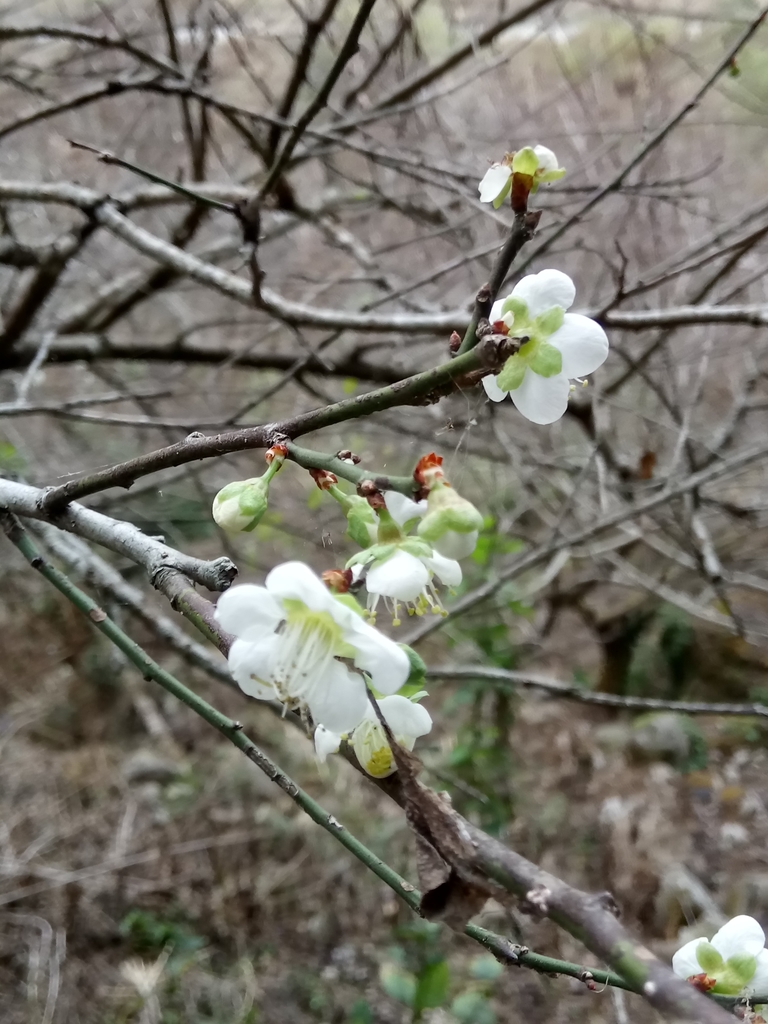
323, 478
239, 506
452, 523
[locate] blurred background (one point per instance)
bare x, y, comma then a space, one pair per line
148, 872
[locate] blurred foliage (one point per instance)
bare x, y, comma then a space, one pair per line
418, 975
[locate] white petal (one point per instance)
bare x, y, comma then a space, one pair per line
251, 666
326, 742
547, 159
454, 545
385, 662
402, 576
494, 180
684, 962
404, 717
339, 699
248, 611
583, 344
496, 310
759, 983
447, 570
542, 399
493, 390
403, 509
540, 292
296, 581
741, 934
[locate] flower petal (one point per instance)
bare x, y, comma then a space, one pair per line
493, 390
402, 576
251, 666
583, 344
326, 742
447, 570
453, 546
759, 983
403, 509
385, 662
404, 717
547, 159
296, 581
339, 699
248, 611
542, 399
493, 183
741, 934
496, 310
540, 292
684, 962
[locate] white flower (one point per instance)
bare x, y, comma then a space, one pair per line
537, 161
402, 571
561, 346
450, 544
407, 721
406, 577
733, 962
290, 635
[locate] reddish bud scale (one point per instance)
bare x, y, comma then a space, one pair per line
276, 451
337, 580
702, 982
454, 341
499, 327
428, 469
323, 478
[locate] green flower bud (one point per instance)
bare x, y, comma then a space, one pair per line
447, 510
239, 506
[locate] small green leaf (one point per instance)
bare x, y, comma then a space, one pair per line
512, 373
547, 361
485, 968
349, 385
398, 984
472, 1008
503, 194
418, 669
517, 308
549, 322
740, 967
525, 161
433, 986
708, 957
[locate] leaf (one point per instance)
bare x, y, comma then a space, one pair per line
432, 986
398, 985
547, 361
472, 1008
512, 372
485, 968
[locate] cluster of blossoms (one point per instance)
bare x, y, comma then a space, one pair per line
306, 642
734, 962
400, 567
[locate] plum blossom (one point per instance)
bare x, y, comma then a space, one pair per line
733, 962
538, 162
402, 569
559, 346
407, 720
292, 633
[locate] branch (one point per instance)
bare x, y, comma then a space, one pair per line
572, 691
590, 918
587, 533
124, 538
482, 359
658, 137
